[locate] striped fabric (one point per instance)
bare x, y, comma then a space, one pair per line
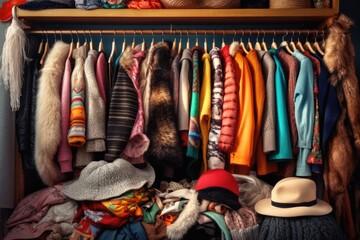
216, 158
122, 115
76, 135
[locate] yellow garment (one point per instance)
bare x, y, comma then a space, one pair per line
127, 204
205, 107
259, 97
240, 157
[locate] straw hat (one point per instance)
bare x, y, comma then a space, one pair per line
293, 197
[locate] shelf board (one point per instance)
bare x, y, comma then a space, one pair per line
167, 16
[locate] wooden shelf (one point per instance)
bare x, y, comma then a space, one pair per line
167, 16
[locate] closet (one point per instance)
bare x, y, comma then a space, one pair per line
207, 24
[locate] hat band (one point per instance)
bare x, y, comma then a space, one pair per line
290, 205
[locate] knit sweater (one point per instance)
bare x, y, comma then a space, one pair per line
95, 107
230, 113
76, 135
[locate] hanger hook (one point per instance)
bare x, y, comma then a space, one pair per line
162, 35
90, 36
85, 37
274, 36
101, 39
283, 37
205, 35
258, 34
323, 36
223, 36
293, 33
263, 38
55, 35
298, 39
242, 34
308, 33
196, 34
249, 35
71, 36
234, 35
187, 32
213, 36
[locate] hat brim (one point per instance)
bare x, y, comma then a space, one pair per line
264, 207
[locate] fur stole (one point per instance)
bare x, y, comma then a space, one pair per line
48, 116
160, 126
344, 145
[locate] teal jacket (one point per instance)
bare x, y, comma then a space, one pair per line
304, 112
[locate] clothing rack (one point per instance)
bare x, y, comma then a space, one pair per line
183, 31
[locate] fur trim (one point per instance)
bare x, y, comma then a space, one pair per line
165, 144
186, 219
234, 47
126, 60
48, 116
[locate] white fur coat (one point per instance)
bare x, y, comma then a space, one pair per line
48, 116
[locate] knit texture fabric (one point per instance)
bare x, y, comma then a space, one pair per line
323, 227
230, 114
216, 158
76, 135
94, 106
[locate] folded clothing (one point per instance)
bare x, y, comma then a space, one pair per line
46, 4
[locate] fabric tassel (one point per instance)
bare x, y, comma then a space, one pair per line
13, 60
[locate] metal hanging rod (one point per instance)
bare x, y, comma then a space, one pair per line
182, 31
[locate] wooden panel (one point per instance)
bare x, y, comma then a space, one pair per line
166, 16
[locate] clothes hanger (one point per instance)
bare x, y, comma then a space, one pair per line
316, 45
273, 44
188, 40
257, 44
42, 60
143, 44
124, 43
152, 39
86, 45
223, 41
205, 44
78, 40
196, 39
101, 45
263, 43
91, 44
213, 41
292, 44
71, 48
41, 45
133, 41
285, 44
113, 49
308, 46
180, 43
249, 44
299, 45
242, 44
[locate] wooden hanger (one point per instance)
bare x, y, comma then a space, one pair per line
317, 47
223, 41
257, 44
242, 44
292, 43
143, 44
124, 43
273, 44
299, 45
46, 48
71, 48
308, 46
91, 44
180, 44
113, 49
249, 44
205, 44
41, 45
285, 44
263, 43
101, 45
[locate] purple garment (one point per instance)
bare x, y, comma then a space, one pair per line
64, 154
101, 76
138, 142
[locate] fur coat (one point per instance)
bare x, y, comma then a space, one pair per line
344, 145
159, 116
48, 116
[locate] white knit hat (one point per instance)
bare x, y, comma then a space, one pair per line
101, 180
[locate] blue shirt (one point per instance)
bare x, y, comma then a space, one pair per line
304, 112
283, 150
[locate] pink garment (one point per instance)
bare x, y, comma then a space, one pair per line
138, 142
33, 207
64, 154
28, 231
101, 75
